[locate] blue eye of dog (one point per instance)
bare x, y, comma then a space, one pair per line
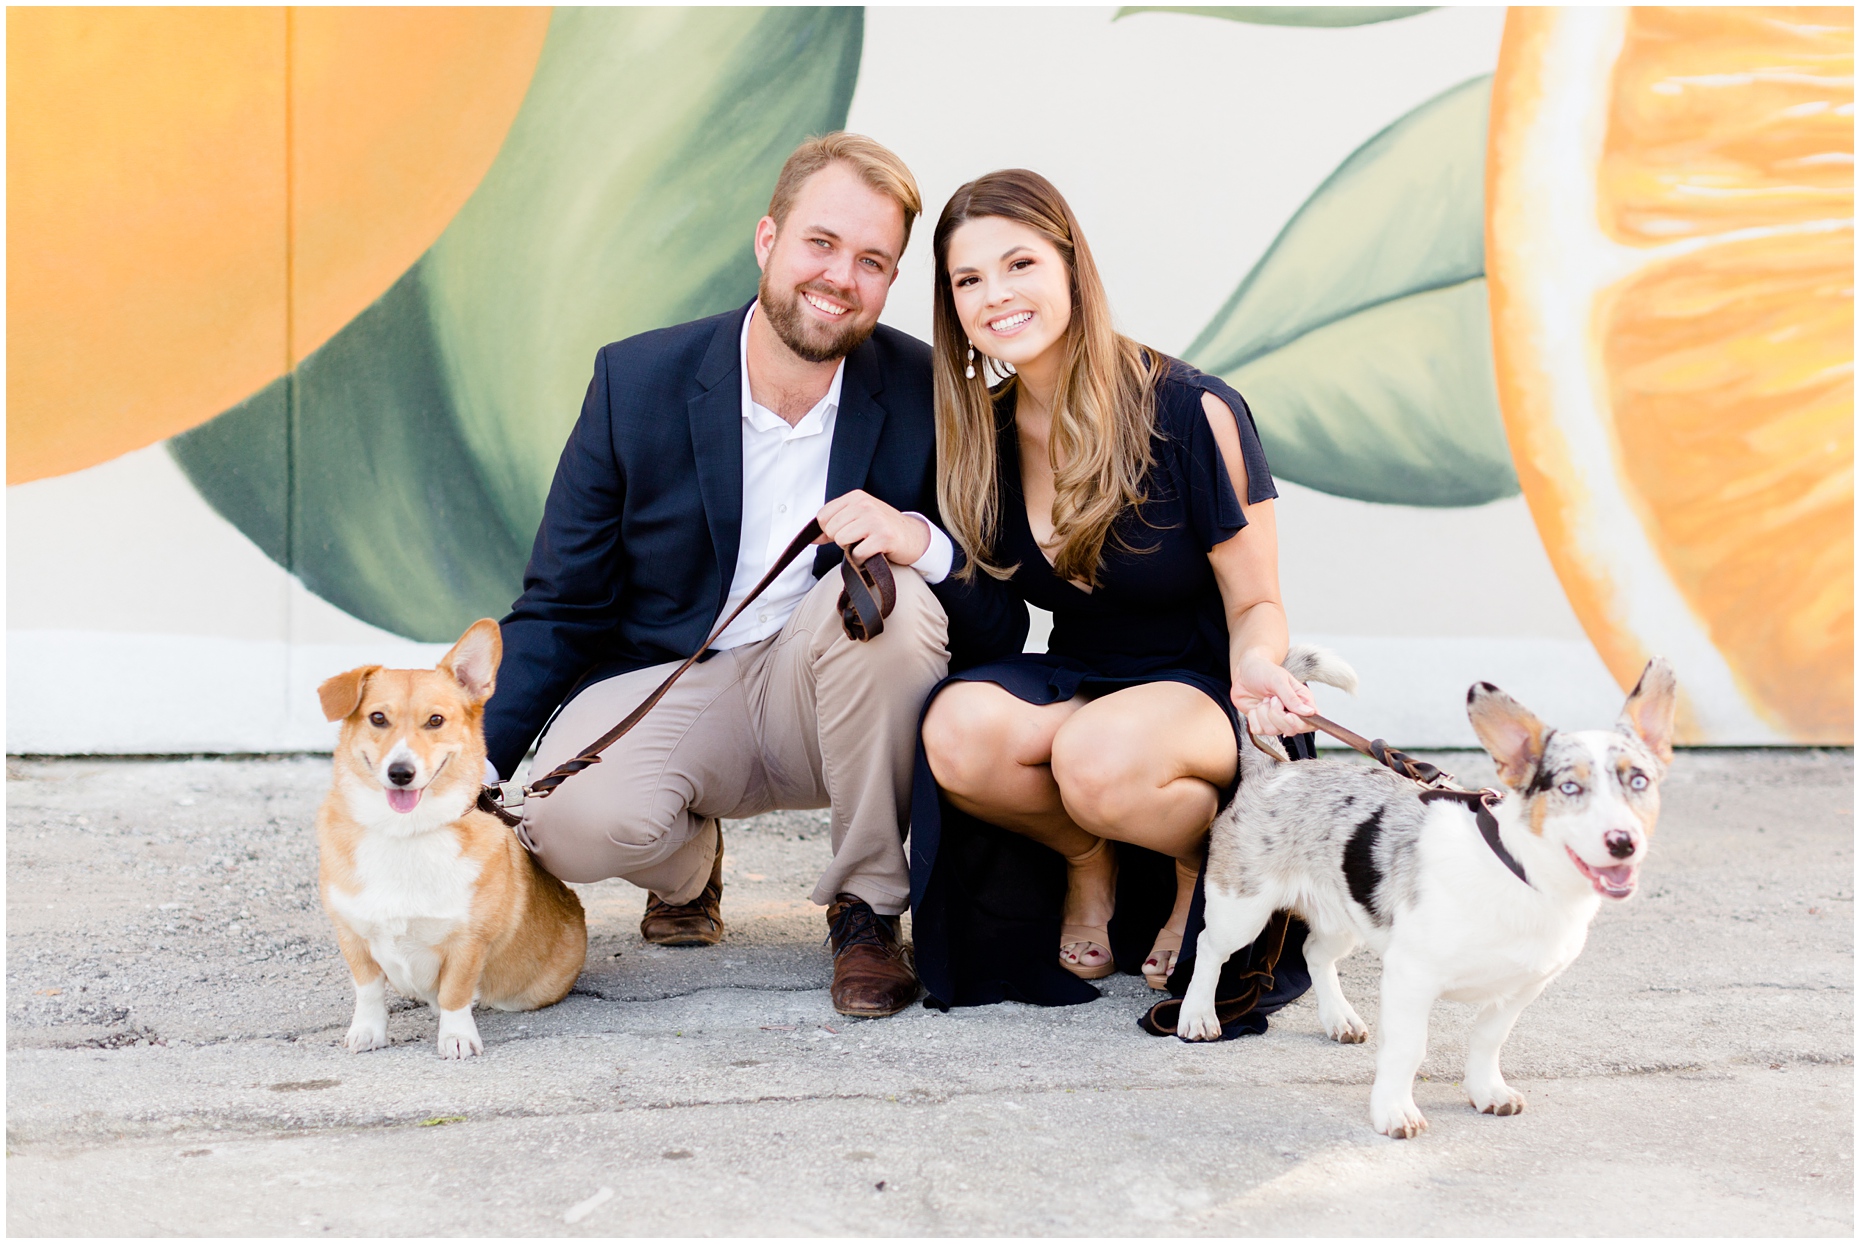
377, 719
1571, 788
1638, 782
435, 721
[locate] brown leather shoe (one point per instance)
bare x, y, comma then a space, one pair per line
697, 923
872, 973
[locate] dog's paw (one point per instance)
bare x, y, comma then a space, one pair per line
1400, 1120
1198, 1024
460, 1045
1499, 1099
1346, 1029
368, 1022
458, 1034
367, 1033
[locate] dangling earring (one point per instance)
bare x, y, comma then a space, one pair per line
970, 372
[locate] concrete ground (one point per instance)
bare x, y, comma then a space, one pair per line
175, 1007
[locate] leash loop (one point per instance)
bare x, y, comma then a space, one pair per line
868, 594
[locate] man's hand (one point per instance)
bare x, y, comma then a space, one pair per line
863, 525
1264, 692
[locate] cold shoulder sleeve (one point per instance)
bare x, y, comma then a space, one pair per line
1214, 511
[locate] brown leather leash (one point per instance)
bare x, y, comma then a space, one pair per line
1430, 776
1435, 783
868, 593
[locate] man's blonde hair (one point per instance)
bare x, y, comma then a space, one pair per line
876, 164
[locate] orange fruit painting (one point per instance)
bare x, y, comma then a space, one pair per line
165, 257
1669, 252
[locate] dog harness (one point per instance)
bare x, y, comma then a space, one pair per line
1480, 801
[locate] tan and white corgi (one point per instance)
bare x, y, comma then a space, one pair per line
424, 889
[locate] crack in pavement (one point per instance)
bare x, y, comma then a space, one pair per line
254, 1124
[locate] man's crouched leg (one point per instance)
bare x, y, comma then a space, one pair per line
698, 922
675, 914
847, 711
631, 815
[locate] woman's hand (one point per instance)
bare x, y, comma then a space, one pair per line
863, 525
1246, 566
1263, 691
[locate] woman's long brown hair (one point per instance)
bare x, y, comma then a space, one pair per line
1104, 409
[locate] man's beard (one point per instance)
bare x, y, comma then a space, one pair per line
812, 341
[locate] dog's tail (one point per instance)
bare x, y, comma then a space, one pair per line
1308, 663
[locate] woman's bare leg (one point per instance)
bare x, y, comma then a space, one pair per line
991, 753
1145, 765
1167, 948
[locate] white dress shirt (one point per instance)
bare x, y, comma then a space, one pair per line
784, 485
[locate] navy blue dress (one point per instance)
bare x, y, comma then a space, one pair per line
986, 902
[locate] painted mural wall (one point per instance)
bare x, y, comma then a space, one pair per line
1546, 317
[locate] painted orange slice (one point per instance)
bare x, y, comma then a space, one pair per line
1670, 258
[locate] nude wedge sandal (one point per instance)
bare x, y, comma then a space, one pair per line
1168, 943
1082, 939
1167, 948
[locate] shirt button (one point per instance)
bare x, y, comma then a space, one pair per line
762, 617
781, 509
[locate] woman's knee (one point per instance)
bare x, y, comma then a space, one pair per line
968, 736
1120, 780
1101, 779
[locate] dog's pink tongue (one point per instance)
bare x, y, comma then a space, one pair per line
402, 800
1618, 880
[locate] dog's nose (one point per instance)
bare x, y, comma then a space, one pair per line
400, 773
1620, 843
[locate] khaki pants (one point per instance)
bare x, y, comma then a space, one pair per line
805, 719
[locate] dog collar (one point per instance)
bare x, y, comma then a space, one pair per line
1480, 802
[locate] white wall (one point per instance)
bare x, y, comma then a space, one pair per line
139, 620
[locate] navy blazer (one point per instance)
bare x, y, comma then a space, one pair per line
638, 543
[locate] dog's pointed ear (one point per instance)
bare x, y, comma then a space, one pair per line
342, 694
474, 659
1648, 713
1510, 731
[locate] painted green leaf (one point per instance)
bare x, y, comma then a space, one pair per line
1362, 330
351, 473
625, 200
1307, 15
400, 471
1406, 372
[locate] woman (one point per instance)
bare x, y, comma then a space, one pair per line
1128, 494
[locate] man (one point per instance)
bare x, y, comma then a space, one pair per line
701, 450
